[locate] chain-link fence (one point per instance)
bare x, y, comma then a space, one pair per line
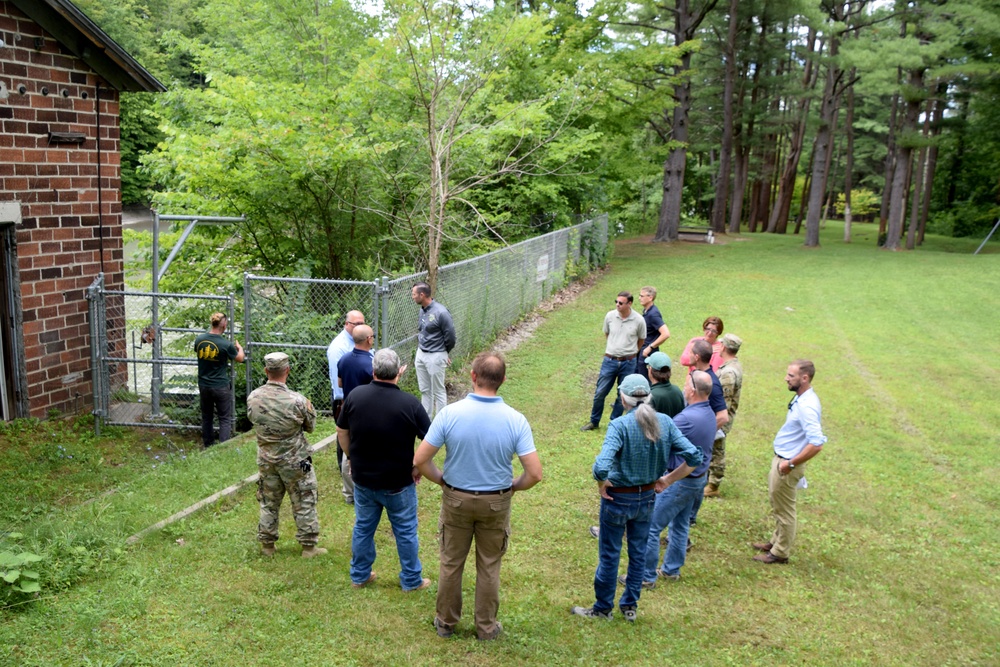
300, 317
485, 295
142, 342
141, 348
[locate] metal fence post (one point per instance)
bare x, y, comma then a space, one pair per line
231, 317
157, 375
248, 351
383, 305
96, 314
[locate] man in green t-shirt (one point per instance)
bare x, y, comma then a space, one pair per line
667, 398
214, 388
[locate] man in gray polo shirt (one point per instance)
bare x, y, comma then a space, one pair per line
625, 330
435, 340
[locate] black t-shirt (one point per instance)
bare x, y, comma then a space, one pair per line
384, 423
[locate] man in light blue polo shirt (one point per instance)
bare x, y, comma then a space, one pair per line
481, 435
800, 439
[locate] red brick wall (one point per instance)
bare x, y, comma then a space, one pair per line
60, 241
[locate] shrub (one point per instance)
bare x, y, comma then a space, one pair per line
864, 203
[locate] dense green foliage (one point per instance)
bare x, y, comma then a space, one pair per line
396, 137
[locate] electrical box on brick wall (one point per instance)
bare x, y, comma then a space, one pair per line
10, 212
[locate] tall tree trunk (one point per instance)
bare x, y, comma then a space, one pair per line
932, 155
918, 181
849, 162
686, 22
822, 147
904, 151
676, 163
890, 165
739, 186
726, 149
786, 185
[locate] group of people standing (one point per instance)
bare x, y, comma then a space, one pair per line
664, 450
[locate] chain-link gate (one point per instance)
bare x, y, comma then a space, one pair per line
142, 352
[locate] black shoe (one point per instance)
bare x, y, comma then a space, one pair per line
589, 426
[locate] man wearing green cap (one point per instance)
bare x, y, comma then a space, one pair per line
280, 417
667, 398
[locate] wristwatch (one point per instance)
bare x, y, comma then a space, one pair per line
791, 466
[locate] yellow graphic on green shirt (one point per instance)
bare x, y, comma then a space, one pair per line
208, 351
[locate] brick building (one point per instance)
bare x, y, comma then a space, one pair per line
60, 196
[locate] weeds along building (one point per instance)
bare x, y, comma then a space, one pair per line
60, 196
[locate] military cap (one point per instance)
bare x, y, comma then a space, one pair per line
276, 361
732, 342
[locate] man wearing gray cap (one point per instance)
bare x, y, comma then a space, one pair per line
731, 378
280, 416
665, 397
637, 450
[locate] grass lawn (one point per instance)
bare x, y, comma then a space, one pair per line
896, 562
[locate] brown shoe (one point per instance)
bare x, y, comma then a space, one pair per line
497, 631
769, 559
711, 491
312, 551
424, 583
267, 549
762, 546
371, 578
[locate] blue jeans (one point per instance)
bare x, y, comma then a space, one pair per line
673, 508
611, 370
401, 506
640, 361
629, 515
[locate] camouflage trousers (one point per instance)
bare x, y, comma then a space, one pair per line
275, 480
717, 468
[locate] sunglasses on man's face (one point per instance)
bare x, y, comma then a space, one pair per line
620, 303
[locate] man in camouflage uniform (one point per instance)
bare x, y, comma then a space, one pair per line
280, 416
731, 379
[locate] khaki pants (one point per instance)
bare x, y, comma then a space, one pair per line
465, 516
782, 491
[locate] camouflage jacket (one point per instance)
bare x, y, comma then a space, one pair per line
731, 379
280, 416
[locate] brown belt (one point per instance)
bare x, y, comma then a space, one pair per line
633, 489
495, 492
611, 356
